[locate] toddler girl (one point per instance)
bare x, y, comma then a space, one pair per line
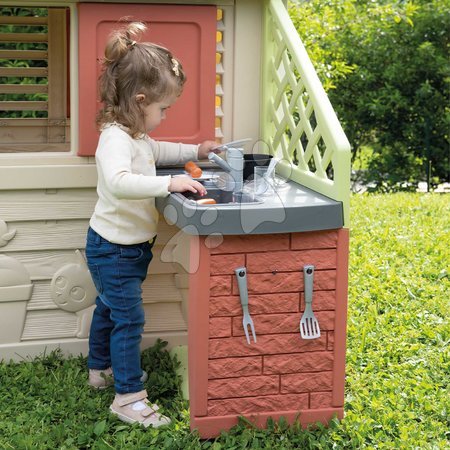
139, 82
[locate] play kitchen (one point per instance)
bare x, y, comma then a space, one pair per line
267, 295
240, 206
253, 276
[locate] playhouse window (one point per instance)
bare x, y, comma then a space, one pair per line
34, 98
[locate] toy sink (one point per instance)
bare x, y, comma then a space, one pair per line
293, 209
210, 181
222, 198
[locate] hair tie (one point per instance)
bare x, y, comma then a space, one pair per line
175, 67
130, 44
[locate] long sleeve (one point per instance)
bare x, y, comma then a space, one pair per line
118, 158
173, 153
125, 212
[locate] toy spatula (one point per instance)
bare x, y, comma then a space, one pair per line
309, 326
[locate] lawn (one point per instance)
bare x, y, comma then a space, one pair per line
398, 372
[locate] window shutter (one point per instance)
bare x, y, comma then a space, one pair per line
188, 31
34, 98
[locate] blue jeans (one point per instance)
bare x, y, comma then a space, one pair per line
118, 321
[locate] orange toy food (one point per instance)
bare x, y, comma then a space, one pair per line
196, 173
193, 170
206, 201
190, 165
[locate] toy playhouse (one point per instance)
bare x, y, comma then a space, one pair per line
249, 76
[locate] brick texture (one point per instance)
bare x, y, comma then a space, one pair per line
291, 261
262, 283
322, 301
298, 362
243, 386
251, 243
258, 304
265, 345
219, 327
306, 382
269, 324
325, 319
320, 400
288, 402
235, 367
281, 323
266, 283
220, 285
225, 264
224, 305
281, 371
316, 239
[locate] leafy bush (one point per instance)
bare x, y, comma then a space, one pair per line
23, 63
386, 69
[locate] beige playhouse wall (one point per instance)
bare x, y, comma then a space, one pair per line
48, 226
46, 200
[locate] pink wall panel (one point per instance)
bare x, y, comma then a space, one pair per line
188, 31
281, 374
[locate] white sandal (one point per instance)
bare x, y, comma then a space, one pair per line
134, 407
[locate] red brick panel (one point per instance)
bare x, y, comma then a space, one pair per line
291, 261
306, 382
225, 264
262, 283
324, 280
298, 362
219, 327
320, 400
266, 283
271, 344
224, 306
258, 304
244, 386
322, 301
269, 324
211, 426
282, 323
314, 239
235, 367
253, 242
325, 319
281, 372
220, 285
293, 402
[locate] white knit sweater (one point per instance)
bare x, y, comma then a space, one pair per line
127, 184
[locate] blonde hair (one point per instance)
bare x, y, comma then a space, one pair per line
131, 68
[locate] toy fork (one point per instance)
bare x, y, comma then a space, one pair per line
241, 274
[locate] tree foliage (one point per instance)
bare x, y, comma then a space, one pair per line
386, 69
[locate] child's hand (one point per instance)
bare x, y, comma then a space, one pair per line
183, 184
207, 147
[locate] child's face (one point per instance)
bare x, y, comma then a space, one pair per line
155, 113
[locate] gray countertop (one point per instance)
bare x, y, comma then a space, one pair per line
291, 208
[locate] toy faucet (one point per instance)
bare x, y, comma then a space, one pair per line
234, 166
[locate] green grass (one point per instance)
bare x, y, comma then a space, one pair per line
397, 393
